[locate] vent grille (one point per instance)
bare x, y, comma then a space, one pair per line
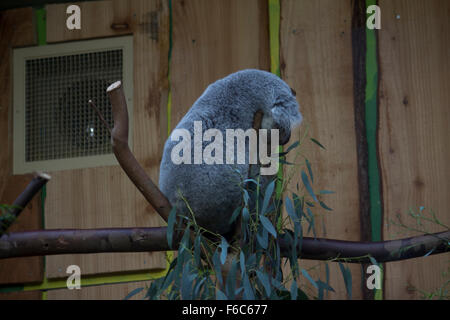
55, 128
59, 122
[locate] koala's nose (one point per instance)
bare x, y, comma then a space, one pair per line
293, 92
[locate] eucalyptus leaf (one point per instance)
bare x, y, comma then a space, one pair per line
347, 279
224, 247
231, 280
326, 192
264, 279
245, 214
220, 295
323, 205
170, 226
235, 214
290, 208
268, 226
217, 266
242, 262
267, 195
307, 276
308, 186
308, 165
263, 238
318, 143
133, 293
294, 290
248, 291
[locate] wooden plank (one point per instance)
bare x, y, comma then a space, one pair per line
212, 39
16, 29
103, 292
316, 60
414, 45
21, 295
104, 197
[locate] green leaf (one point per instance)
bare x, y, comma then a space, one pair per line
184, 244
133, 293
268, 226
347, 279
246, 196
248, 291
235, 214
318, 143
283, 161
231, 280
324, 285
374, 262
186, 286
323, 205
264, 279
197, 243
294, 290
242, 262
311, 221
308, 186
220, 295
290, 208
170, 226
308, 165
216, 265
245, 214
267, 196
223, 254
307, 276
326, 192
292, 146
263, 238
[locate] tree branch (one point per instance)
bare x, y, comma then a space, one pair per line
52, 242
119, 139
24, 198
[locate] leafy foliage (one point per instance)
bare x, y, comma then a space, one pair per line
249, 266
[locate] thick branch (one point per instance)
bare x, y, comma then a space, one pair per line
51, 242
127, 161
24, 198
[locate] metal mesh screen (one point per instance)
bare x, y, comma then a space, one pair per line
59, 121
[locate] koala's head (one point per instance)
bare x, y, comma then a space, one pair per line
267, 89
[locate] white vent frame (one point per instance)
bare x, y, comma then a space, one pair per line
20, 56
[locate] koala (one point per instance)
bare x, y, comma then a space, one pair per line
212, 190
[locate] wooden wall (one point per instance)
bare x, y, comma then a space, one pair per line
414, 48
16, 29
316, 61
104, 197
211, 39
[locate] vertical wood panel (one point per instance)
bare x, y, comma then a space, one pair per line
414, 130
16, 29
104, 197
316, 60
212, 39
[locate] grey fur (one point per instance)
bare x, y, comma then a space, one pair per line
212, 191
